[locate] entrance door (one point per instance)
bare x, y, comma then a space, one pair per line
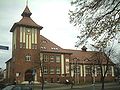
29, 75
51, 80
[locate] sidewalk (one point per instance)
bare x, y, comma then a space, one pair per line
97, 86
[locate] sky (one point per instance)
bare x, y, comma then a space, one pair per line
51, 14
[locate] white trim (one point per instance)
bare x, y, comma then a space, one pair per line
84, 70
40, 73
62, 64
26, 41
21, 34
81, 71
30, 41
95, 72
35, 36
112, 70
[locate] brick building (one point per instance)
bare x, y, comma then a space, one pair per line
34, 56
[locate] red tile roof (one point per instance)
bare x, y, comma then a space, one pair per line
26, 21
49, 46
87, 57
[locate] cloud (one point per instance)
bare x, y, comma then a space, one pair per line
51, 14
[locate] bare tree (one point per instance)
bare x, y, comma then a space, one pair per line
96, 19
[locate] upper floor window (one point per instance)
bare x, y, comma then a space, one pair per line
109, 70
28, 58
58, 59
53, 48
29, 37
51, 70
44, 41
51, 58
46, 58
57, 70
88, 69
98, 69
44, 48
45, 70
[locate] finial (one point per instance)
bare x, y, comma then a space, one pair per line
26, 2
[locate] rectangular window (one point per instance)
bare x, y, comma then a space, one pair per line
21, 31
58, 70
27, 58
35, 46
58, 59
98, 70
88, 70
58, 79
14, 39
46, 58
78, 69
51, 58
45, 70
21, 45
67, 69
35, 36
109, 70
51, 70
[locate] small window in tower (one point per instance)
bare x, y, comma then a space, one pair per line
28, 58
21, 46
35, 46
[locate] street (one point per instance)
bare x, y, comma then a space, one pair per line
108, 86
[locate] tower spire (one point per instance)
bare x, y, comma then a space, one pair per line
26, 2
26, 12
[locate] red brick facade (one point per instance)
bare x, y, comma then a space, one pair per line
31, 51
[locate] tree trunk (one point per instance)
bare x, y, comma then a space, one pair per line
102, 81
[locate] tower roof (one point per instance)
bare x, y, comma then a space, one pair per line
26, 20
26, 12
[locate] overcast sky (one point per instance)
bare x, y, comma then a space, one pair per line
51, 14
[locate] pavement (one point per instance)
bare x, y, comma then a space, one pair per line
55, 86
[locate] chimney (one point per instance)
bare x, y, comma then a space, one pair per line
84, 48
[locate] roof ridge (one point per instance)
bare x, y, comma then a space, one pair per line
51, 41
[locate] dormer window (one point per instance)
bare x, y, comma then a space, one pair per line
44, 41
44, 48
54, 48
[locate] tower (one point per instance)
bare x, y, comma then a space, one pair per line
25, 46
